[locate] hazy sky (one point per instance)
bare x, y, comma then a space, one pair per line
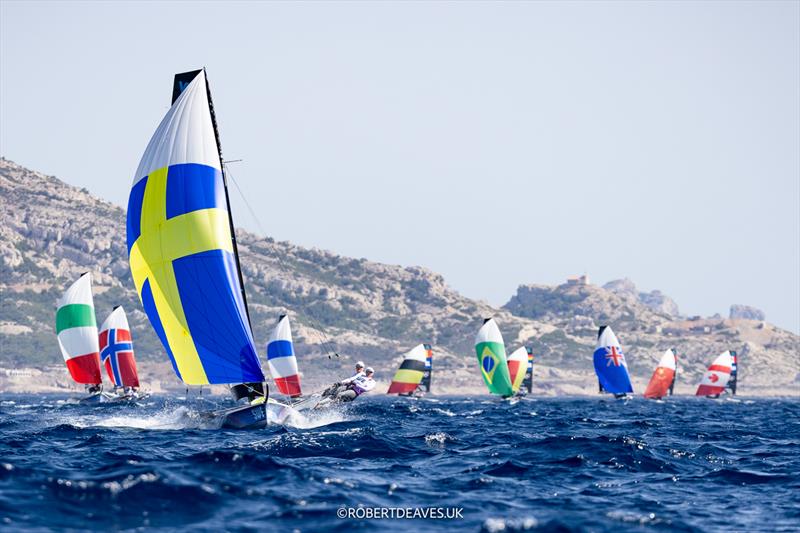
497, 144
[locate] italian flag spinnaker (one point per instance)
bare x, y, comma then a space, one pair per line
76, 327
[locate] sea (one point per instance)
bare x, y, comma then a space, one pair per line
382, 463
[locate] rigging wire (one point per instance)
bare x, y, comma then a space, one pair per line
327, 343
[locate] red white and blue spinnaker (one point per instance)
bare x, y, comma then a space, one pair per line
282, 360
116, 350
610, 365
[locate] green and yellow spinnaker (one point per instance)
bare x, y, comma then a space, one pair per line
491, 352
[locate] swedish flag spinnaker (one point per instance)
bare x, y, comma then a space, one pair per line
491, 352
181, 245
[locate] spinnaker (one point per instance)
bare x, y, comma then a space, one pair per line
610, 365
411, 375
518, 367
183, 253
76, 328
663, 380
491, 352
282, 360
116, 350
717, 376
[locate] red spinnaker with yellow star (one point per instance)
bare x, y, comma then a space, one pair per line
663, 379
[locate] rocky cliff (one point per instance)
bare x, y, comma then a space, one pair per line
51, 232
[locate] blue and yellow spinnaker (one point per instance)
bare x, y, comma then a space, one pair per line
181, 250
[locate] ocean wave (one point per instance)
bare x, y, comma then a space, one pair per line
572, 465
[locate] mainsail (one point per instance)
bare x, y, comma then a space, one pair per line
610, 365
412, 371
716, 377
517, 367
527, 382
76, 327
182, 248
734, 372
491, 352
116, 350
427, 374
281, 359
663, 379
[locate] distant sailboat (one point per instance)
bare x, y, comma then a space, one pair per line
491, 352
116, 354
663, 381
184, 258
76, 327
610, 365
282, 360
519, 370
414, 375
716, 378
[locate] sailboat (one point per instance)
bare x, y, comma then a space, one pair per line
518, 369
491, 352
116, 355
76, 328
184, 257
716, 378
610, 365
663, 381
282, 360
413, 378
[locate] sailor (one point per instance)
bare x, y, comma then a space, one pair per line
359, 373
358, 386
339, 386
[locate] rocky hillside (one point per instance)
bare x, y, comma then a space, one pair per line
649, 323
51, 232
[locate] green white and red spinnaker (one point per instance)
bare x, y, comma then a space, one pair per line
76, 327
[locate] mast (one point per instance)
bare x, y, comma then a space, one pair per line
228, 202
